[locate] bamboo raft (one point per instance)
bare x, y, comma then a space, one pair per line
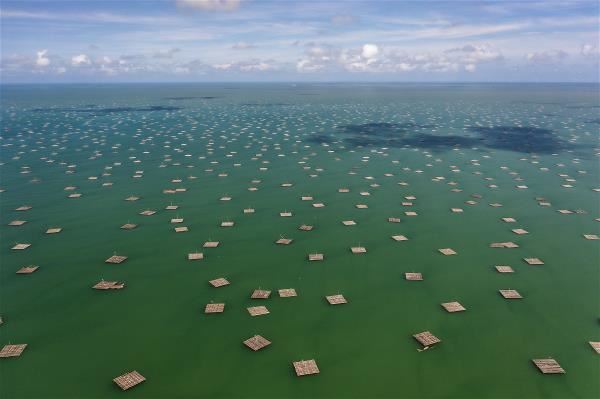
413, 276
219, 282
548, 366
214, 308
287, 293
426, 338
452, 307
306, 367
336, 299
27, 269
12, 350
258, 310
260, 294
257, 342
129, 380
109, 285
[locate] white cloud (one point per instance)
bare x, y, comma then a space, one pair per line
590, 50
253, 65
211, 5
547, 56
370, 50
42, 60
81, 59
470, 67
343, 19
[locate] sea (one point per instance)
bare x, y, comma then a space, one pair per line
448, 160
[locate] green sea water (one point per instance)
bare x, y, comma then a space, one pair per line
442, 144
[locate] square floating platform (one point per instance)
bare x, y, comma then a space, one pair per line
509, 220
452, 307
519, 231
211, 244
595, 346
533, 261
284, 241
287, 292
195, 256
548, 366
510, 294
116, 259
508, 244
260, 294
182, 229
315, 257
258, 310
227, 224
129, 380
129, 226
349, 223
591, 237
257, 342
147, 213
394, 220
109, 285
358, 250
214, 308
219, 282
336, 299
413, 276
21, 246
426, 338
504, 269
447, 251
12, 350
306, 367
399, 238
16, 223
27, 269
305, 227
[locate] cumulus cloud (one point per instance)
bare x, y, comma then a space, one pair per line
79, 60
211, 5
370, 50
42, 60
547, 56
370, 58
253, 65
590, 50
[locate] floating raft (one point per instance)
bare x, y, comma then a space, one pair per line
17, 223
596, 346
129, 380
214, 308
258, 310
306, 367
211, 244
219, 282
195, 256
426, 338
504, 269
260, 294
394, 220
533, 261
315, 257
548, 366
520, 231
510, 294
413, 276
305, 227
109, 285
147, 213
508, 244
336, 299
399, 238
452, 307
116, 259
12, 350
284, 241
358, 250
21, 246
54, 230
257, 342
348, 222
129, 226
287, 292
447, 251
27, 269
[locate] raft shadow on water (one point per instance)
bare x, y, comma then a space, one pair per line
525, 139
110, 110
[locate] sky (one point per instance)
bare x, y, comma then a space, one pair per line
336, 40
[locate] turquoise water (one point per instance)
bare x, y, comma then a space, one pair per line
218, 139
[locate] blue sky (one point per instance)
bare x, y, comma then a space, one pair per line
343, 40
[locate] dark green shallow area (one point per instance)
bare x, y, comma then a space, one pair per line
320, 138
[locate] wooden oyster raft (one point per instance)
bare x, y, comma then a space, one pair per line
129, 380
